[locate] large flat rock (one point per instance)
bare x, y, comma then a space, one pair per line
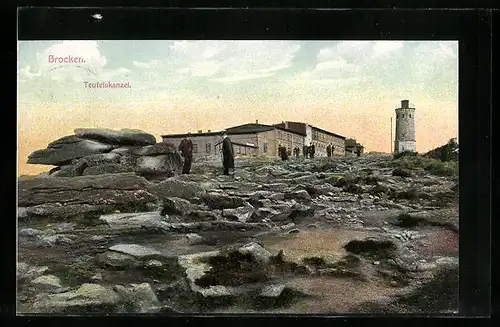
64, 153
121, 137
125, 189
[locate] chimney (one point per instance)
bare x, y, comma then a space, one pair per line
209, 131
256, 121
200, 131
286, 125
404, 104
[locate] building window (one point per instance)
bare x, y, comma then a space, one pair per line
195, 148
279, 134
238, 149
208, 147
265, 148
410, 115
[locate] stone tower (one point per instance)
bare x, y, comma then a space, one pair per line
405, 128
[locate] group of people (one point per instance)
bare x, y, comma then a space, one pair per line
308, 151
186, 150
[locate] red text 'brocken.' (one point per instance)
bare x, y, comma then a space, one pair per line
66, 60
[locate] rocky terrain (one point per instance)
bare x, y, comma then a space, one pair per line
339, 235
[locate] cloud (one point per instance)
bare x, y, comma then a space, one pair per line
384, 47
147, 65
26, 73
233, 61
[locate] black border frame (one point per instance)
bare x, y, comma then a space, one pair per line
471, 27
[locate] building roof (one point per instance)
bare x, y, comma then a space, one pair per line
192, 135
240, 144
253, 128
249, 129
314, 127
329, 133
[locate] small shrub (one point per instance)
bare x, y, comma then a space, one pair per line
379, 189
411, 194
345, 181
440, 168
401, 172
405, 154
353, 188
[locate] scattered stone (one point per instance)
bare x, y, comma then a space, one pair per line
135, 250
241, 214
176, 206
154, 264
293, 231
86, 298
299, 195
173, 187
25, 271
97, 277
194, 238
257, 251
221, 201
140, 297
47, 282
272, 290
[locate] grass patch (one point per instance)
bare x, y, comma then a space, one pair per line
412, 194
423, 164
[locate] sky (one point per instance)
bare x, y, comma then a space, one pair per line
351, 88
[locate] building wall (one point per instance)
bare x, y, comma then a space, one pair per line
244, 139
405, 130
321, 140
203, 146
288, 140
267, 143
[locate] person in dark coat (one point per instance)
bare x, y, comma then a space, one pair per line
304, 151
333, 149
329, 151
285, 153
227, 153
312, 150
358, 151
186, 149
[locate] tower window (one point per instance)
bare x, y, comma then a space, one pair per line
410, 115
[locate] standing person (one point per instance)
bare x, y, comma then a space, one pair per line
304, 151
358, 151
227, 153
333, 149
329, 151
312, 150
186, 149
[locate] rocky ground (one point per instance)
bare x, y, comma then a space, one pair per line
368, 234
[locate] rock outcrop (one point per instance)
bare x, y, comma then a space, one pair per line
94, 151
